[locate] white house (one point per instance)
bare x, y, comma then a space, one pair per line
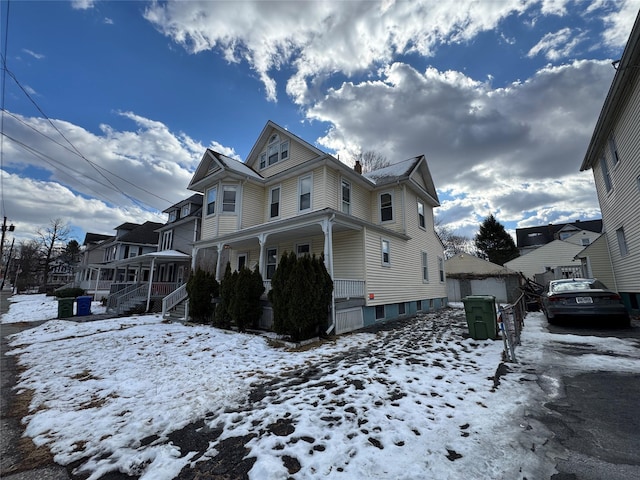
375, 230
557, 257
613, 155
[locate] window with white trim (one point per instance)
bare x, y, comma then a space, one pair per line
186, 210
167, 240
586, 241
613, 148
276, 150
605, 173
263, 160
421, 220
272, 262
346, 197
305, 185
173, 215
622, 242
441, 268
212, 193
425, 266
242, 260
385, 251
274, 202
229, 198
386, 207
303, 249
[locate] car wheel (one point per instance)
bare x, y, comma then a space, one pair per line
624, 322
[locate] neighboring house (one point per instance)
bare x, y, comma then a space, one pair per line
614, 156
596, 261
470, 275
555, 259
91, 254
375, 230
530, 238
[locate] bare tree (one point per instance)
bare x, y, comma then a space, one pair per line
50, 238
453, 243
26, 265
371, 160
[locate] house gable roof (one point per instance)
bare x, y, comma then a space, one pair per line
413, 169
269, 129
215, 164
541, 235
626, 70
142, 234
90, 238
464, 264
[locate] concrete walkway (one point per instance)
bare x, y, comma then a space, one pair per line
20, 459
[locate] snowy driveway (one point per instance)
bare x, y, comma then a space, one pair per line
148, 399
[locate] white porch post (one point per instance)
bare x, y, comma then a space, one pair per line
194, 255
220, 246
153, 264
95, 291
262, 262
327, 228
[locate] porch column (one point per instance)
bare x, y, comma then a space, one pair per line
153, 264
327, 228
194, 255
220, 246
262, 262
95, 291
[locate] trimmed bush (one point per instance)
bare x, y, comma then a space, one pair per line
202, 288
245, 306
69, 292
227, 291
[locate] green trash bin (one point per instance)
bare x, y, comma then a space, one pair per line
480, 311
65, 307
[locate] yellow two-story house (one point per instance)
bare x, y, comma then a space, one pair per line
375, 229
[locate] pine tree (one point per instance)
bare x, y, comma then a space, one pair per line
227, 290
494, 242
202, 287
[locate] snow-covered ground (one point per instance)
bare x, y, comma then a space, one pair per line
413, 402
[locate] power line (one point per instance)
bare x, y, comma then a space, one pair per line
4, 82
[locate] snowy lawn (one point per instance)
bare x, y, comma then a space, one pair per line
414, 401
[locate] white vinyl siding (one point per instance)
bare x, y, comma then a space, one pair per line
348, 255
252, 198
297, 154
620, 207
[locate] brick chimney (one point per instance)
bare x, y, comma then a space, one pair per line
358, 167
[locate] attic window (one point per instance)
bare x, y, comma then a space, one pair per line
186, 209
173, 214
276, 151
534, 234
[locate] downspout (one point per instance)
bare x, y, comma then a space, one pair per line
329, 248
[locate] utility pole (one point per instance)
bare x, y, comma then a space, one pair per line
11, 228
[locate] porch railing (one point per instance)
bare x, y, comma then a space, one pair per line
163, 288
342, 288
174, 298
345, 288
128, 300
116, 294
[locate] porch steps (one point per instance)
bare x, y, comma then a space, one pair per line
177, 313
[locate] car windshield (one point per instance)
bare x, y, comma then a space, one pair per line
571, 286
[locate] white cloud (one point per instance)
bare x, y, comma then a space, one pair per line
558, 45
83, 4
323, 37
124, 175
619, 22
37, 56
513, 150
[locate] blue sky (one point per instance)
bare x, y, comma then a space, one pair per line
501, 96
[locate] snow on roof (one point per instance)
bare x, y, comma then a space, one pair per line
237, 166
392, 172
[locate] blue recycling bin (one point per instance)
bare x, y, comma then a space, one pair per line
83, 305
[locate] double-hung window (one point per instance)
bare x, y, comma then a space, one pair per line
229, 198
167, 240
212, 193
305, 185
274, 202
276, 151
441, 268
272, 262
605, 173
425, 267
346, 197
614, 149
386, 207
385, 250
173, 215
622, 242
186, 210
303, 249
421, 221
